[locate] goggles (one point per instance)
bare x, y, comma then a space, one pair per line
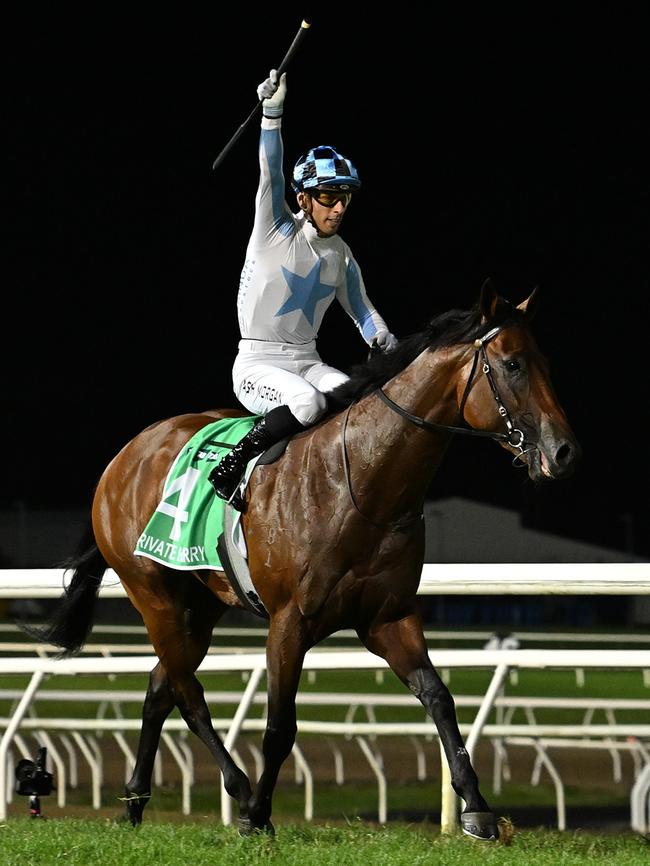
329, 197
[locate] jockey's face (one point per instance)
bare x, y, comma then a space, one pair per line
325, 218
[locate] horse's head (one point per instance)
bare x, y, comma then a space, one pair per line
507, 389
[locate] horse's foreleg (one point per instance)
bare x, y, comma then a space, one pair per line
403, 646
285, 651
158, 704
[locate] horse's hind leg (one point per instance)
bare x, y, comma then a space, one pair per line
403, 646
158, 704
180, 627
160, 701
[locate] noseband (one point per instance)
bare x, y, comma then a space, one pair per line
514, 437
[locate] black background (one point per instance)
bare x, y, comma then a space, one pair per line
509, 145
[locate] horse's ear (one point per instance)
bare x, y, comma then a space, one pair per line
489, 301
530, 306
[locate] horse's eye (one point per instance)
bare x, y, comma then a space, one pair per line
512, 366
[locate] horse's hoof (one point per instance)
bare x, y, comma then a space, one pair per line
480, 825
134, 807
246, 827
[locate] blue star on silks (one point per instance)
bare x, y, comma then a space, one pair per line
306, 292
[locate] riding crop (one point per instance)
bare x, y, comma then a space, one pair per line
304, 27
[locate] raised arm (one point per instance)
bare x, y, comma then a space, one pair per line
272, 215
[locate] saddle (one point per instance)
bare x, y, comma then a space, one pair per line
229, 546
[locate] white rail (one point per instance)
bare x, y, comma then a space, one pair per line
361, 659
447, 579
546, 578
500, 661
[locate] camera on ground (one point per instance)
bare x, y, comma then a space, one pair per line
34, 781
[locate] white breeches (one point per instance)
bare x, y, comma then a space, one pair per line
266, 375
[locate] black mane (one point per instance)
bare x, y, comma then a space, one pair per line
447, 329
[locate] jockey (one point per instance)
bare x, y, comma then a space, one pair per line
296, 264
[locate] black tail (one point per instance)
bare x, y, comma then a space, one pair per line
72, 619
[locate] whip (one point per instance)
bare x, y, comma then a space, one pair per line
304, 27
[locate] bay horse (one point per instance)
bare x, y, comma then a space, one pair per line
335, 536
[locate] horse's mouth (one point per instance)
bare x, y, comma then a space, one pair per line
538, 465
546, 470
542, 467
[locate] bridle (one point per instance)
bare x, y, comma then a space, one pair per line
514, 436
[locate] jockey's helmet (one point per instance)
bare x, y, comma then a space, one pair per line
323, 167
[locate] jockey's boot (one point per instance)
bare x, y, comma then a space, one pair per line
227, 474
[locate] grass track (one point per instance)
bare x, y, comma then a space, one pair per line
89, 843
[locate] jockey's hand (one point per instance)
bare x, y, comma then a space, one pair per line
272, 92
385, 341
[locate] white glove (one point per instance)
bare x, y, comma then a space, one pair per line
385, 341
272, 93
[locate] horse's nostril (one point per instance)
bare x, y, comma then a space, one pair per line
564, 454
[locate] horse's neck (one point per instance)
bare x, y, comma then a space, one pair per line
429, 386
389, 453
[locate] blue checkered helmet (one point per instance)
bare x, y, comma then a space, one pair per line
325, 168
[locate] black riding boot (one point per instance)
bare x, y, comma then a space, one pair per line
227, 474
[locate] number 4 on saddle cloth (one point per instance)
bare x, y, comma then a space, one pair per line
191, 528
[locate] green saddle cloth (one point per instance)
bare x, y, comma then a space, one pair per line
188, 520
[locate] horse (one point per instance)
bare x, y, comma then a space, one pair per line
335, 536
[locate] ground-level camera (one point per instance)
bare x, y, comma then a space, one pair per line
33, 781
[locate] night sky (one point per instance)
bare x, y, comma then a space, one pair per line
502, 145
